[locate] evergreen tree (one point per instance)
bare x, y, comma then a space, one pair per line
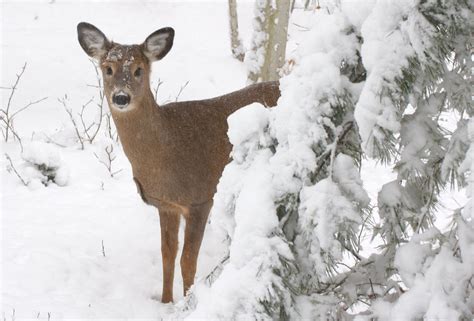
291, 205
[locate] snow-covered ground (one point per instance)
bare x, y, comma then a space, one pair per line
91, 249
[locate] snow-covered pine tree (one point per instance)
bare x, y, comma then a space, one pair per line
268, 46
419, 68
291, 203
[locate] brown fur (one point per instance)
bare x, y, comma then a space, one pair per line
178, 151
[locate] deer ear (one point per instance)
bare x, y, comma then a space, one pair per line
158, 44
92, 40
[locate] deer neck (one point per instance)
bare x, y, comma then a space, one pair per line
138, 129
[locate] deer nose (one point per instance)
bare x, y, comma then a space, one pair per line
121, 99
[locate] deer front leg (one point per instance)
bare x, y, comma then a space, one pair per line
196, 219
169, 222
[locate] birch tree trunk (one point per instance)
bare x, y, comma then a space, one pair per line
236, 44
267, 53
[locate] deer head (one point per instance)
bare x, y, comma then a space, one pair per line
125, 68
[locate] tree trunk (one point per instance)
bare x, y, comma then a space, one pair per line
267, 54
236, 44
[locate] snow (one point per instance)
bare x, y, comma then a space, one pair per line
391, 194
409, 261
443, 279
348, 176
385, 53
357, 11
43, 164
87, 247
247, 126
468, 165
42, 153
52, 260
275, 154
254, 246
325, 208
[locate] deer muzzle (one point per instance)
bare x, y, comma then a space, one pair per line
121, 99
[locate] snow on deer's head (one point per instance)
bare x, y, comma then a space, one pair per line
125, 68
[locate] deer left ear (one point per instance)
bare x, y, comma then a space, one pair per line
92, 40
158, 44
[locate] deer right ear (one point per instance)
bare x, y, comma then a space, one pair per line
158, 44
92, 40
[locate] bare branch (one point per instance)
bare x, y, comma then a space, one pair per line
110, 158
110, 132
28, 105
81, 117
301, 27
14, 169
157, 87
330, 152
103, 248
10, 98
50, 140
7, 119
181, 90
9, 126
100, 104
13, 89
73, 121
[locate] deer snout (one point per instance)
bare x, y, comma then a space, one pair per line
121, 99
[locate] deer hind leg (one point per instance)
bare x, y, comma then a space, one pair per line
169, 223
196, 219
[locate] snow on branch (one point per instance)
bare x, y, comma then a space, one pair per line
291, 205
267, 208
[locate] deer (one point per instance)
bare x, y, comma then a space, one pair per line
177, 151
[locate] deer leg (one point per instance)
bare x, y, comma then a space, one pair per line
196, 219
169, 223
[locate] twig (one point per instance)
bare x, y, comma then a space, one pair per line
10, 98
7, 118
101, 102
81, 117
28, 105
110, 158
373, 295
181, 90
18, 77
14, 133
73, 121
328, 153
302, 27
103, 248
157, 87
108, 123
14, 170
50, 140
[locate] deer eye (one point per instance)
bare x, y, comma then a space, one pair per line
138, 72
109, 71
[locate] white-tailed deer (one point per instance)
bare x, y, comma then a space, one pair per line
178, 151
